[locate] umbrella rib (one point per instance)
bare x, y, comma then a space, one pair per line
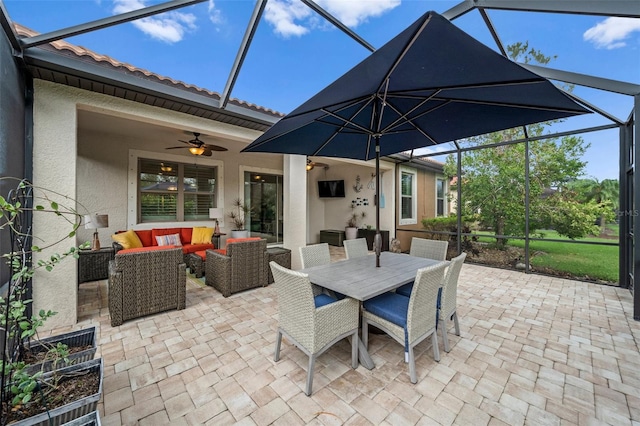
504, 104
404, 51
346, 122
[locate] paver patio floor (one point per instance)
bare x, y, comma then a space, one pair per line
533, 350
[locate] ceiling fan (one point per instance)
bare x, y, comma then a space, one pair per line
312, 164
198, 147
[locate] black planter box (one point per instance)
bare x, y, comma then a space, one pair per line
85, 337
75, 410
91, 419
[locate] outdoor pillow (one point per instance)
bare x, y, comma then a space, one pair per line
145, 237
185, 235
128, 239
201, 235
168, 240
155, 232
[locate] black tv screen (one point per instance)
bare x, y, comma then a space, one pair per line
331, 188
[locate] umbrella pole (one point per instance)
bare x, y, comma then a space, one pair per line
377, 241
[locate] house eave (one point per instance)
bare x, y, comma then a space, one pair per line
62, 69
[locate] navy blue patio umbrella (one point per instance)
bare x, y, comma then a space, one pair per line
431, 84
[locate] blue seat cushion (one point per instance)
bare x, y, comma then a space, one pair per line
323, 299
405, 290
389, 306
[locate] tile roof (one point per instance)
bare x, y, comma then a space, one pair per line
82, 53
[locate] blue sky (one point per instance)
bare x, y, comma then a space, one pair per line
295, 53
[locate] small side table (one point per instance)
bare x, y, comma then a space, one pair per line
93, 265
281, 256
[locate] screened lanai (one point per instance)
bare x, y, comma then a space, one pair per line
36, 61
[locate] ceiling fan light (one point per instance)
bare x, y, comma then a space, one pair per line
310, 166
196, 150
165, 168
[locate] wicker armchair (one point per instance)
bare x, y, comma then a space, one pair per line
408, 320
244, 266
313, 324
146, 282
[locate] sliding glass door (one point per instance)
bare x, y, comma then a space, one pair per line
264, 194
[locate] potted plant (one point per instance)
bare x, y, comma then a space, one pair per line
238, 216
22, 385
351, 230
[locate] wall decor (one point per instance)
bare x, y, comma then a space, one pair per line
358, 186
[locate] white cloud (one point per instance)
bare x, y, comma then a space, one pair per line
215, 15
168, 27
294, 18
354, 13
282, 14
611, 33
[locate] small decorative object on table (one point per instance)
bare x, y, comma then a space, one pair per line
96, 221
215, 214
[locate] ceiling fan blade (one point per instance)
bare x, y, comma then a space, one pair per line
206, 153
178, 147
188, 143
215, 147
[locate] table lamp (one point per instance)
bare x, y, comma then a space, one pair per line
96, 221
216, 213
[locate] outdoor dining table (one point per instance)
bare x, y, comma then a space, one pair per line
360, 279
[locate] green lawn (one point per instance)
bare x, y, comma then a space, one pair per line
581, 260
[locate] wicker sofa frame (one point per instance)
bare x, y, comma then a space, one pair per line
244, 266
146, 282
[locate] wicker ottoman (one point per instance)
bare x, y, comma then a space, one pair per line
281, 256
196, 263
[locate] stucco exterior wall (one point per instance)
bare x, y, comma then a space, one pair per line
333, 213
92, 168
426, 206
54, 162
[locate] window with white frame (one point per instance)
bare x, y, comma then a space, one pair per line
441, 191
175, 192
408, 194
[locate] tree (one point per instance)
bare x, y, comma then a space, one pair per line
493, 180
605, 193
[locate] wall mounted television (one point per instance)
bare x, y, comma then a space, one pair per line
331, 188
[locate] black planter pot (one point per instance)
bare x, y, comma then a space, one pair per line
79, 338
74, 410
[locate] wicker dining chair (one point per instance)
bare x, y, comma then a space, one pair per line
356, 248
312, 323
315, 255
408, 320
447, 302
429, 249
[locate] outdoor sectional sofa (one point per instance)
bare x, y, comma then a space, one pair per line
191, 239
